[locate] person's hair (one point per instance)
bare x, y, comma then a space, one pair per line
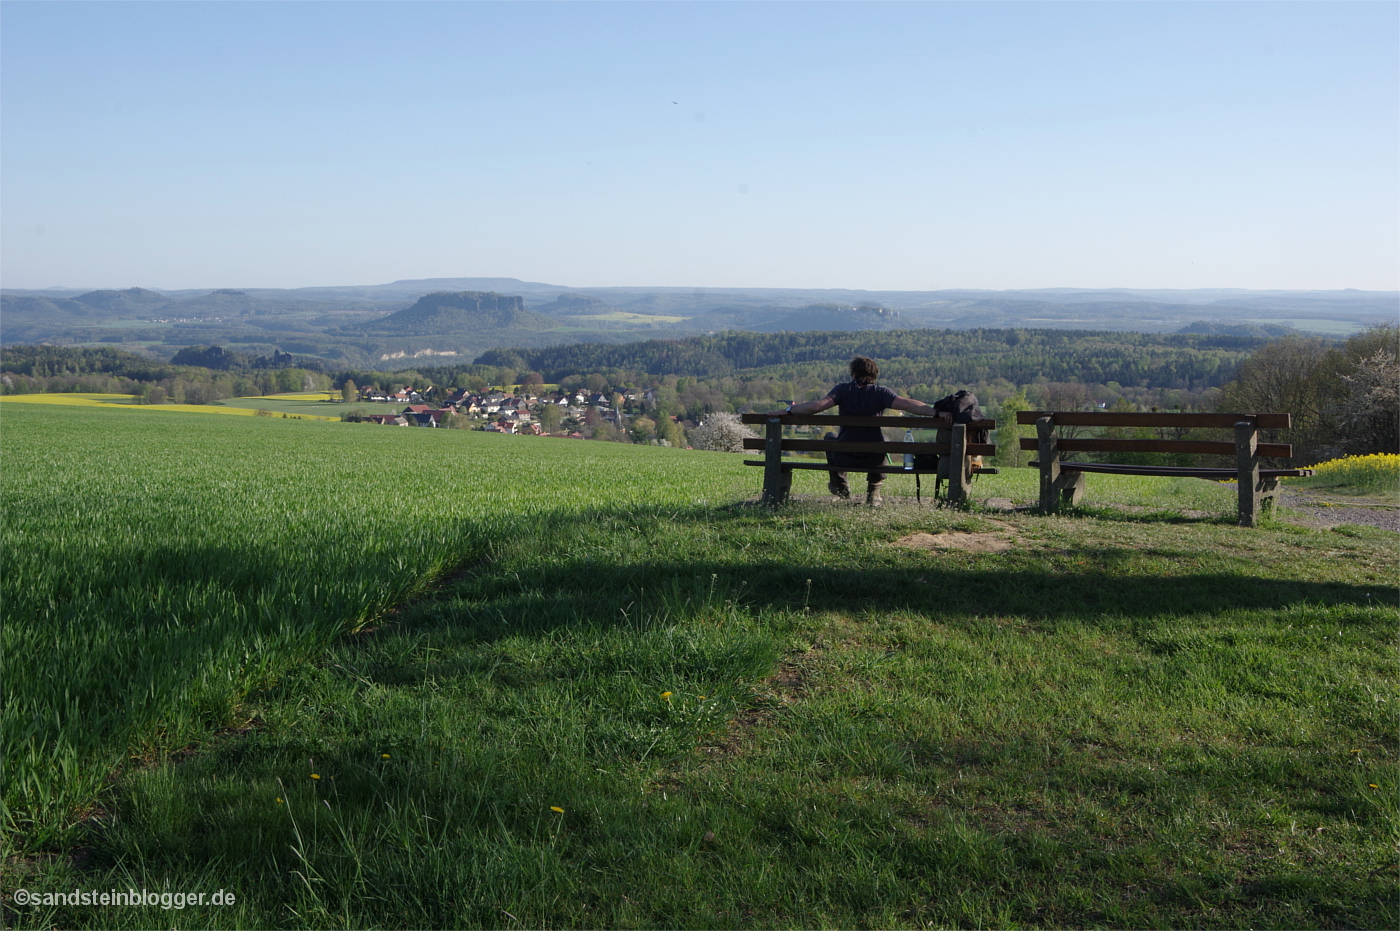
864, 371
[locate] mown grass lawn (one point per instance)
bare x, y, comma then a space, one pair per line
643, 702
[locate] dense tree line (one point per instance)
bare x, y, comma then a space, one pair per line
756, 371
43, 361
37, 369
1344, 397
1019, 356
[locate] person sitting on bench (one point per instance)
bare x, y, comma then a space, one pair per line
861, 397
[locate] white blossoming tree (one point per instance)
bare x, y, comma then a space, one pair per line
722, 433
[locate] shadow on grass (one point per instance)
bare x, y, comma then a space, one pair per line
1081, 594
761, 562
429, 813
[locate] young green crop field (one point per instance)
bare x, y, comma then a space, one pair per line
307, 404
360, 676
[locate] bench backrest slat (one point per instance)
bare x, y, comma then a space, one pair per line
1151, 419
910, 421
897, 448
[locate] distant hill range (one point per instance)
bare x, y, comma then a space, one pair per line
832, 317
381, 325
458, 312
571, 304
132, 299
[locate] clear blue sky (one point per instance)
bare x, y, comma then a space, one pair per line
851, 145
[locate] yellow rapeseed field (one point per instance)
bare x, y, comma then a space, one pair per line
127, 402
1376, 472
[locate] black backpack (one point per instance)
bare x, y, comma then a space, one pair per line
963, 406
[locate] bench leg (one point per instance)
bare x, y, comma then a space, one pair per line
776, 480
1247, 471
1049, 465
1268, 491
777, 486
957, 473
1071, 487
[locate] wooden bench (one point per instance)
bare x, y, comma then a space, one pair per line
951, 446
1062, 480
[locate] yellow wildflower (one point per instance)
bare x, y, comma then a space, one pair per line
556, 808
315, 775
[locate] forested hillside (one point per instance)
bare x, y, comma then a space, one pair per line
195, 376
1017, 356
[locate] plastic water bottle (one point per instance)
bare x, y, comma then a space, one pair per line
908, 457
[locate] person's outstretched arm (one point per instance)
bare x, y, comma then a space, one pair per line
813, 407
917, 407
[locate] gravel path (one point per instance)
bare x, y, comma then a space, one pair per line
1314, 509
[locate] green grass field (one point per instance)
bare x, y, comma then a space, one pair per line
314, 403
407, 678
1336, 328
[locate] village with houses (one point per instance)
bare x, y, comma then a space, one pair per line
573, 414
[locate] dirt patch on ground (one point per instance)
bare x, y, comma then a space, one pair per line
997, 541
789, 684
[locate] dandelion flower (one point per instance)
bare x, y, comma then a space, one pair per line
666, 696
1373, 785
279, 801
556, 808
315, 775
383, 756
702, 697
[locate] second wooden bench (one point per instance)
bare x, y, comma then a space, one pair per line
1063, 479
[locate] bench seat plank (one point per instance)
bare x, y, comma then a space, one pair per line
887, 469
1198, 447
1108, 468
